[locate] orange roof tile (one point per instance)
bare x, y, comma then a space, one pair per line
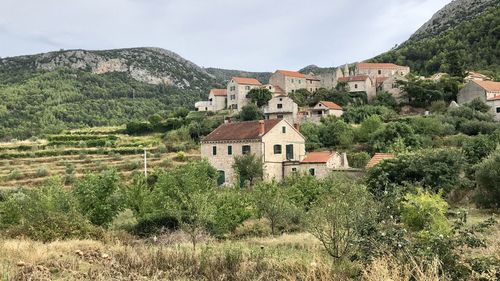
379, 157
246, 81
377, 65
489, 86
353, 78
291, 73
248, 130
219, 92
318, 157
331, 105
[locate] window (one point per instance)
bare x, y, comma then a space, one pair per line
312, 172
280, 105
300, 81
229, 150
279, 116
214, 150
232, 88
247, 88
355, 86
294, 169
221, 177
245, 149
277, 149
283, 130
293, 81
233, 97
281, 99
498, 109
379, 71
289, 151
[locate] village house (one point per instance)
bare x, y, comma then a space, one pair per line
323, 109
291, 81
275, 141
281, 107
378, 158
319, 164
313, 83
237, 91
475, 76
217, 100
381, 69
360, 83
486, 91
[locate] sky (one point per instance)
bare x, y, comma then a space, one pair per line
252, 35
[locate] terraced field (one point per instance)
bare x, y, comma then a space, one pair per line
74, 153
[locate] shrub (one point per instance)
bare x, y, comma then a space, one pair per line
166, 163
488, 180
253, 228
385, 99
42, 172
425, 212
232, 208
335, 132
155, 225
358, 159
15, 174
360, 113
369, 126
125, 220
249, 169
133, 164
476, 127
180, 156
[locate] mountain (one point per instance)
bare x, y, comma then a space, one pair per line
46, 93
464, 35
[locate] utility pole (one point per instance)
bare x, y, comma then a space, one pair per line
145, 163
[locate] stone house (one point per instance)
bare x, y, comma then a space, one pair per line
313, 83
281, 107
275, 141
381, 69
475, 76
237, 91
323, 109
487, 91
217, 100
361, 83
290, 81
319, 164
388, 84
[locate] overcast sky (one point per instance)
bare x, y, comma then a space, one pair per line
256, 35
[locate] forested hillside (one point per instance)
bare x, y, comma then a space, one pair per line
71, 89
468, 45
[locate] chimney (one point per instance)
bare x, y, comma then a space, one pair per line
262, 127
297, 126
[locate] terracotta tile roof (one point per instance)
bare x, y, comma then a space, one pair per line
278, 90
489, 86
378, 157
291, 73
353, 78
318, 157
331, 105
248, 130
246, 81
365, 65
494, 98
312, 77
219, 92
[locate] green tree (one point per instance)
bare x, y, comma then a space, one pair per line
385, 99
250, 112
335, 132
249, 169
368, 127
425, 212
488, 180
260, 96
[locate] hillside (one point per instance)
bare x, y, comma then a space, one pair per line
49, 92
223, 75
462, 36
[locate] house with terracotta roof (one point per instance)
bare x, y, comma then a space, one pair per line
323, 109
360, 83
487, 91
476, 76
319, 164
275, 141
237, 91
381, 69
377, 158
291, 81
217, 100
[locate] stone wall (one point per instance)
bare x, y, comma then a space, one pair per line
470, 92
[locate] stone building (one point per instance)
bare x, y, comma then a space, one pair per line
276, 141
322, 109
381, 69
313, 83
281, 107
289, 81
237, 91
486, 91
217, 100
361, 83
319, 164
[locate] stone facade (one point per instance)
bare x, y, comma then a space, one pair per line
237, 91
361, 83
486, 91
289, 81
281, 107
495, 107
381, 69
323, 109
319, 164
217, 100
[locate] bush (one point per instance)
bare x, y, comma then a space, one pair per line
155, 225
425, 212
360, 113
133, 164
253, 228
15, 174
488, 180
180, 156
335, 132
125, 220
476, 127
42, 172
358, 159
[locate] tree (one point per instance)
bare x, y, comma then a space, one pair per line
310, 131
369, 126
387, 135
249, 169
301, 97
98, 197
478, 105
260, 96
488, 180
425, 212
335, 132
340, 216
250, 112
385, 99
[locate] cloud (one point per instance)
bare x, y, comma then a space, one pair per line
259, 35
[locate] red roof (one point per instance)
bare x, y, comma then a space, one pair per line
379, 157
318, 157
219, 92
497, 97
249, 130
291, 73
246, 81
365, 65
331, 105
489, 86
278, 90
353, 78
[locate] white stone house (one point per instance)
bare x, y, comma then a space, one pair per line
323, 109
217, 100
319, 164
276, 141
361, 83
290, 81
237, 91
487, 91
381, 69
281, 107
